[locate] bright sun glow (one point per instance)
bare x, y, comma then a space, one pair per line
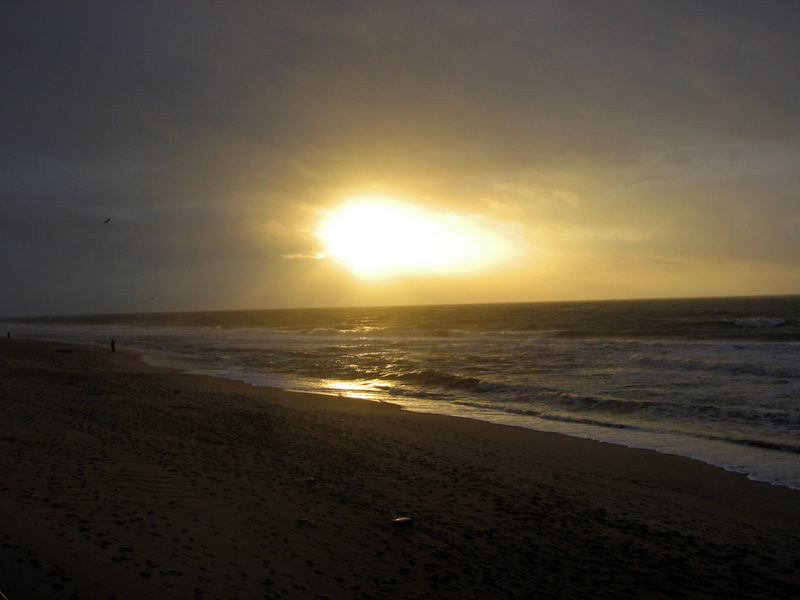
378, 237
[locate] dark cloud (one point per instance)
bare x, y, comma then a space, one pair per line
192, 122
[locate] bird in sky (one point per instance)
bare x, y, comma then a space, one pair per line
108, 220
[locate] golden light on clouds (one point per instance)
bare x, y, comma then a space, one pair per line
379, 237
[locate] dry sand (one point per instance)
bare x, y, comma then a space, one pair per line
124, 481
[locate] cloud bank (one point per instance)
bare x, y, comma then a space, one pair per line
645, 148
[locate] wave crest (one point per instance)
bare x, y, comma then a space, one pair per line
759, 322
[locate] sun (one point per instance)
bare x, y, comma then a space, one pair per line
378, 237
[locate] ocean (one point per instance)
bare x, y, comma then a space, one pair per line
714, 379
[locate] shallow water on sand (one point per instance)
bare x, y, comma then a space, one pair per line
713, 379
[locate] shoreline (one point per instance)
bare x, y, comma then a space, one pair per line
158, 360
706, 451
127, 480
761, 452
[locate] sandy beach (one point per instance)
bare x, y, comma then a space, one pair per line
123, 481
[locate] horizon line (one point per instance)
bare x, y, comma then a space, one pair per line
380, 306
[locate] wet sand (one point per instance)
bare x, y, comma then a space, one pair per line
125, 481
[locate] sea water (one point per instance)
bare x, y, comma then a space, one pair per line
713, 379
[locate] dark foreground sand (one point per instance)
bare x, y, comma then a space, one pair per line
123, 481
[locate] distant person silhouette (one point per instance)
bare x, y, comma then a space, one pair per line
113, 345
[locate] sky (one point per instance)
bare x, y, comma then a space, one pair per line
618, 149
